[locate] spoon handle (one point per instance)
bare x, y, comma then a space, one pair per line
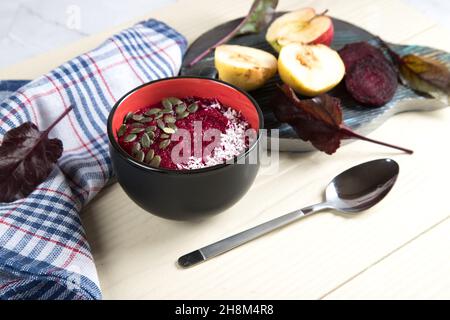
238, 239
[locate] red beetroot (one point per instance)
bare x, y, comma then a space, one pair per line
370, 77
357, 51
371, 82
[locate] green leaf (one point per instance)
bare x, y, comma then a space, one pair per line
260, 15
426, 75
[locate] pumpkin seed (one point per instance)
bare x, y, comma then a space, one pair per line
152, 111
147, 119
172, 126
149, 156
136, 148
137, 117
182, 115
193, 107
155, 161
139, 156
170, 119
164, 136
167, 111
160, 124
166, 104
121, 130
169, 130
150, 128
127, 117
180, 108
164, 144
130, 138
145, 140
137, 130
137, 125
158, 115
174, 100
151, 134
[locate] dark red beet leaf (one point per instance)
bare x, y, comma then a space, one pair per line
318, 120
260, 15
422, 74
27, 157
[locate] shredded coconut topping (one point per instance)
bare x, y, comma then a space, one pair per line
232, 142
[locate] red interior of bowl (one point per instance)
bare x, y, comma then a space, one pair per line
181, 88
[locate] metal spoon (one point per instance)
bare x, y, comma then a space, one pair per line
354, 190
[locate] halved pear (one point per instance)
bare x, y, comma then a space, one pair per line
310, 69
303, 26
245, 67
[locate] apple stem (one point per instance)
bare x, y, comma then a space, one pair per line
350, 133
318, 15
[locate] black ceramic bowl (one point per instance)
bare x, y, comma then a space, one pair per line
185, 194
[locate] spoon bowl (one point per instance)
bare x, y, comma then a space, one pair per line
362, 186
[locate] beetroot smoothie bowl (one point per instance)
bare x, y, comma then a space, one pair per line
185, 147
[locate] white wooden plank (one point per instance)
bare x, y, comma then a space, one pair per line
419, 270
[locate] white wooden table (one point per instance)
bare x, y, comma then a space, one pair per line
398, 249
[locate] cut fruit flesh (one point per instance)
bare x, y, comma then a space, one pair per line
245, 67
302, 26
310, 69
303, 33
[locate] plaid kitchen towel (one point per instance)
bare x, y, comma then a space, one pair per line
43, 249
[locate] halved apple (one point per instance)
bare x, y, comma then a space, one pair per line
245, 67
303, 26
310, 69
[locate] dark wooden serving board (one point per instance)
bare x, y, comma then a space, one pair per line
359, 118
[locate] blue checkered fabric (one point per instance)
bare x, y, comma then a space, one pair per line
44, 253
